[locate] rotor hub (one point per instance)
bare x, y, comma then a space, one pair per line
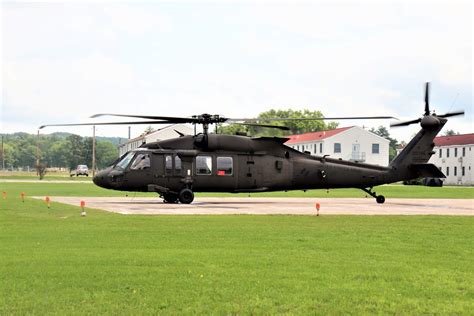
430, 122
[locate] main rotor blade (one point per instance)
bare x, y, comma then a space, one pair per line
284, 128
108, 123
313, 118
171, 119
451, 114
405, 123
427, 98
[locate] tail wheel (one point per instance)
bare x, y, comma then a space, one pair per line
380, 199
170, 198
186, 196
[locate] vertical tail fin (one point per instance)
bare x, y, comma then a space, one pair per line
420, 149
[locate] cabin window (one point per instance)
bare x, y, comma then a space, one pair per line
141, 162
168, 163
122, 164
337, 148
224, 166
375, 148
177, 164
203, 165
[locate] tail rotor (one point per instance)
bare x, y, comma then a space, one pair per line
428, 119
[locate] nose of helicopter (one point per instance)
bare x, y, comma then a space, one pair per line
101, 179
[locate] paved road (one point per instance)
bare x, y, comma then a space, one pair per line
270, 206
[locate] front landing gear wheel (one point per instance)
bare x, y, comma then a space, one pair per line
170, 198
186, 196
380, 199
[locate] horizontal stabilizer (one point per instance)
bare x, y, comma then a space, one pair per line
428, 170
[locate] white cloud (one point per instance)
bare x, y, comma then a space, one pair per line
64, 62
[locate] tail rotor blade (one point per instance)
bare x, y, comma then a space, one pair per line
456, 113
427, 99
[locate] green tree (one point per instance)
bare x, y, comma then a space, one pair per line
295, 126
76, 155
10, 157
450, 132
106, 153
57, 155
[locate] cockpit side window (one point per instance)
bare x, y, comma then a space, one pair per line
123, 163
141, 162
168, 164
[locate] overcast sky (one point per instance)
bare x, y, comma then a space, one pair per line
62, 62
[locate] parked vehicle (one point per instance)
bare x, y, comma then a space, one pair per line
81, 170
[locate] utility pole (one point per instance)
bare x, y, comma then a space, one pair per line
37, 153
93, 150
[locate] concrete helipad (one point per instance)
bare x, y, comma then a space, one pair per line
271, 206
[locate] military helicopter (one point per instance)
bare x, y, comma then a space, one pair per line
206, 162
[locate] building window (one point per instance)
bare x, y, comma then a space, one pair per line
455, 152
315, 149
224, 166
203, 165
463, 171
321, 148
447, 171
464, 151
375, 148
337, 148
455, 171
447, 152
440, 153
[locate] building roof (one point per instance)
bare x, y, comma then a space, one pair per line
464, 139
315, 136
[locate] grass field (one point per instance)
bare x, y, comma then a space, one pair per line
55, 262
389, 191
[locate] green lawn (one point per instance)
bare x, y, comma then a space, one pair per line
390, 191
55, 262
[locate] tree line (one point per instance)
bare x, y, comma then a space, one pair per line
57, 150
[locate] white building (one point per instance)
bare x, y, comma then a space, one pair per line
167, 132
349, 143
454, 156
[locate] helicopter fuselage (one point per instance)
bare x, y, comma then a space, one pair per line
226, 163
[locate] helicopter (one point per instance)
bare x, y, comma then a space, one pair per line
205, 162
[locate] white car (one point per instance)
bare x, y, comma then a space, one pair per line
80, 170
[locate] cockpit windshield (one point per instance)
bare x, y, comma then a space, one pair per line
123, 163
